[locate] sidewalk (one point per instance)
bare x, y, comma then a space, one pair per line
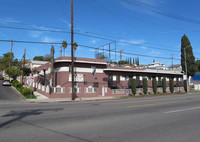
43, 99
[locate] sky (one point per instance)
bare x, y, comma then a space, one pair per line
148, 29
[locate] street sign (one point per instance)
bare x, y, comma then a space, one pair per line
31, 78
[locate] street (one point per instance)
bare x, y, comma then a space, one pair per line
7, 93
151, 119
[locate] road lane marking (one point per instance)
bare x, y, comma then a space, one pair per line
179, 110
137, 101
153, 104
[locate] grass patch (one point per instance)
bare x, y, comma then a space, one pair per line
194, 91
32, 97
158, 94
26, 96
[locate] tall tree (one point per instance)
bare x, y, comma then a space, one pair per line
64, 45
186, 48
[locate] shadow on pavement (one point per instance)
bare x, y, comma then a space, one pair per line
22, 114
19, 115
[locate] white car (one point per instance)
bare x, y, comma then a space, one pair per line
6, 82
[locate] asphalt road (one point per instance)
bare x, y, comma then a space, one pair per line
7, 93
152, 119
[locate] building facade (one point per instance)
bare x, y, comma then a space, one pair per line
94, 77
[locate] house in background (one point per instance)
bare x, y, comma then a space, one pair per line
176, 67
34, 64
157, 66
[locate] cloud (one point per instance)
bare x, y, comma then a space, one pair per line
93, 41
154, 53
50, 39
66, 22
4, 20
142, 5
132, 41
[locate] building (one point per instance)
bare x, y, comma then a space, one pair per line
157, 66
94, 77
34, 64
176, 67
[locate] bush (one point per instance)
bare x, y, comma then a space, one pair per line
26, 91
185, 85
154, 85
133, 86
18, 85
14, 82
145, 85
171, 85
164, 85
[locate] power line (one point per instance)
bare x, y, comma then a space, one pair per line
30, 42
161, 12
129, 53
91, 47
59, 31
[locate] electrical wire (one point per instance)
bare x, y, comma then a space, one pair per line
59, 31
91, 47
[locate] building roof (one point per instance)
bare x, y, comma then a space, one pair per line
81, 60
141, 70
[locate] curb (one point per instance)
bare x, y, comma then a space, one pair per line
103, 99
18, 92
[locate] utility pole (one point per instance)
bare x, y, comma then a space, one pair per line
72, 51
121, 54
61, 51
109, 50
24, 57
172, 61
186, 69
10, 55
52, 66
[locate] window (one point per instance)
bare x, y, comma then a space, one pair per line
96, 84
118, 78
138, 81
110, 80
159, 81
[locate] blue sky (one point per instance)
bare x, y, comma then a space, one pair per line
155, 25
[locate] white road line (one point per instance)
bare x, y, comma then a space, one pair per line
182, 110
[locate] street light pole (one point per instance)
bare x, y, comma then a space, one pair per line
186, 69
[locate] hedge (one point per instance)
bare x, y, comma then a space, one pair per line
171, 85
164, 85
18, 85
145, 85
154, 85
26, 91
133, 86
14, 82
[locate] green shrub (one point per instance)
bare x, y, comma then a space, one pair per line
154, 85
145, 85
164, 85
18, 85
133, 86
171, 85
14, 82
185, 85
26, 91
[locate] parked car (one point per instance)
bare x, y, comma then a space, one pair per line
1, 77
6, 82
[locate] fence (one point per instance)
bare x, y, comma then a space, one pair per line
58, 89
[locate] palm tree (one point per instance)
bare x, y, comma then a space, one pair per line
75, 46
64, 45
